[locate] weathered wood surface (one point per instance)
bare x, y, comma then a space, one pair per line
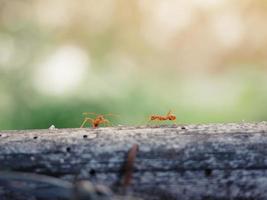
215, 161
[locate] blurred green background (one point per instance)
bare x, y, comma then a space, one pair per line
204, 59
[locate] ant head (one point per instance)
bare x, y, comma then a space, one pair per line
100, 117
172, 117
152, 117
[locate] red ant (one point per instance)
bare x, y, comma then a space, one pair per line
169, 116
100, 119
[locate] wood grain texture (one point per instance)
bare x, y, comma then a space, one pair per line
214, 161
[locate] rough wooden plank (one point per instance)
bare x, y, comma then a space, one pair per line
214, 161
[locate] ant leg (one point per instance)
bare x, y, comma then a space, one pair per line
107, 122
170, 111
156, 122
86, 120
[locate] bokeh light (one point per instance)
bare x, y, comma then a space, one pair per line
62, 71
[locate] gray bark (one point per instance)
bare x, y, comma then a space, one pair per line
215, 161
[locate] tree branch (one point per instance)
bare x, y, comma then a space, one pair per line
216, 161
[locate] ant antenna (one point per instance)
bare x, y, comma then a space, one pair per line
169, 112
89, 113
110, 114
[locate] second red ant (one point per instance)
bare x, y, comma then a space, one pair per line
169, 116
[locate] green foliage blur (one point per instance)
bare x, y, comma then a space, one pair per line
204, 60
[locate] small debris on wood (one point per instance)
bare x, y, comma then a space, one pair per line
52, 127
130, 165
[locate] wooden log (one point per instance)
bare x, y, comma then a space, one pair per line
214, 161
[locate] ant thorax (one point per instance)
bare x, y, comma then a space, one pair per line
154, 117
